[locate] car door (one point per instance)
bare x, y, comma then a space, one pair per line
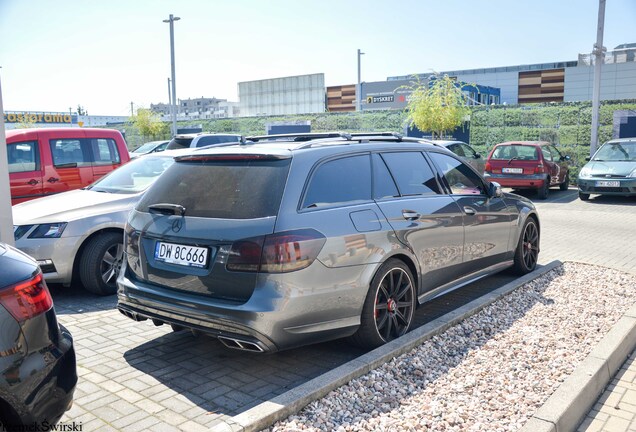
71, 167
25, 173
487, 220
104, 154
424, 218
561, 161
551, 167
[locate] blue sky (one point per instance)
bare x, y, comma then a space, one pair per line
104, 55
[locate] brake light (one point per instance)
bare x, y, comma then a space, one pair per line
488, 167
539, 169
27, 299
277, 253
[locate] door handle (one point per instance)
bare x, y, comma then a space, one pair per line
53, 179
32, 182
410, 215
469, 210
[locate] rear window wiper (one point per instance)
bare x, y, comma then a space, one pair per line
511, 159
167, 209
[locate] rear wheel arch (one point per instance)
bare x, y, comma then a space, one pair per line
408, 261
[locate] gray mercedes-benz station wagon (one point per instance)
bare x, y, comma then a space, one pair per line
287, 241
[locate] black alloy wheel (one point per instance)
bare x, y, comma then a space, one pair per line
527, 253
389, 307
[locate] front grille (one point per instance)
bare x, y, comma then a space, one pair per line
609, 189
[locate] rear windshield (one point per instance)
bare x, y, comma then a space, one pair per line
179, 143
518, 152
233, 189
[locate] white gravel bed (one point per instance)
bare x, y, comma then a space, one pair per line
489, 373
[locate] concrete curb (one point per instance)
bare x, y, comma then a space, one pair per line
292, 401
575, 397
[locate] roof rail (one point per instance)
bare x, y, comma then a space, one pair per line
397, 135
300, 136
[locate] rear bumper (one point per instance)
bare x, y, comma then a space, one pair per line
43, 384
282, 312
627, 186
518, 181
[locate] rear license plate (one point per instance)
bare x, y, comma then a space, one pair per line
184, 255
512, 170
608, 183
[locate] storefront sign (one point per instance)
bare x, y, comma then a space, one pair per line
380, 99
39, 117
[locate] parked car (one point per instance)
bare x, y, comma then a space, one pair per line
51, 160
78, 235
276, 244
465, 153
528, 165
149, 147
611, 171
37, 358
202, 139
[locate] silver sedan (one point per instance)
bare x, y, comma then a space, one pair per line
78, 235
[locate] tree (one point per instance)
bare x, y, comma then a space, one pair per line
437, 105
81, 110
149, 124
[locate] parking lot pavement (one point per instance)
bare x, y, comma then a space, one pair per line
136, 376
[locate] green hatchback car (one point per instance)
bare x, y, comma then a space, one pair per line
611, 171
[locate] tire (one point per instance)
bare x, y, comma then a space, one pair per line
584, 196
543, 191
527, 252
100, 263
389, 307
564, 186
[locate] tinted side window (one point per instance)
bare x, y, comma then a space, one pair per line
468, 151
340, 181
70, 151
412, 173
460, 178
383, 184
105, 151
23, 157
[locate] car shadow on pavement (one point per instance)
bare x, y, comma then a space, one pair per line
555, 196
75, 299
612, 200
226, 382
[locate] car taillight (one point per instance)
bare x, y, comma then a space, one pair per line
539, 169
277, 253
488, 167
27, 299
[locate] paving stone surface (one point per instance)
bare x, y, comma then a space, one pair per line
135, 376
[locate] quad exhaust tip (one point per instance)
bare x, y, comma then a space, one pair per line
240, 344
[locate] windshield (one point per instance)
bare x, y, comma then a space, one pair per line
516, 152
146, 147
625, 151
230, 189
179, 143
134, 177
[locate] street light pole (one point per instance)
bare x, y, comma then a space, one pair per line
171, 20
169, 99
359, 88
599, 54
6, 217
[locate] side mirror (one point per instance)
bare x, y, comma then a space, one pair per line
588, 158
477, 156
565, 158
494, 190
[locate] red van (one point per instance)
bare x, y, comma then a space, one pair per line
47, 161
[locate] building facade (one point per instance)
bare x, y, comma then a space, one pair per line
567, 81
300, 94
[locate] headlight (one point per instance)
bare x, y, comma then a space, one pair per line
53, 230
633, 173
585, 172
